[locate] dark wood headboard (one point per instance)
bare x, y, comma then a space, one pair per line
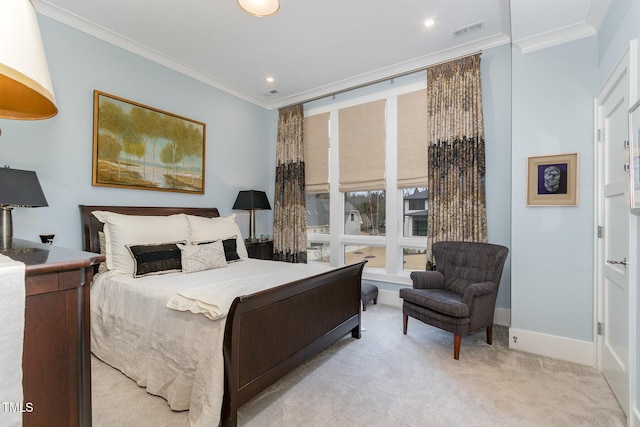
91, 225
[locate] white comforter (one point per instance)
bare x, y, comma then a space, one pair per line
146, 328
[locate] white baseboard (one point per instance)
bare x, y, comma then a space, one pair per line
502, 316
568, 349
634, 417
389, 298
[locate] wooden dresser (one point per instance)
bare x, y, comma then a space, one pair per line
56, 362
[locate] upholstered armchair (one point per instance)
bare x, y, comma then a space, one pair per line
460, 295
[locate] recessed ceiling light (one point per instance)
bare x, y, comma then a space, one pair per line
429, 23
271, 79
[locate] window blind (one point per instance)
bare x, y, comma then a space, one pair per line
412, 139
316, 153
362, 144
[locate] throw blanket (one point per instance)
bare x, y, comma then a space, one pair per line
214, 299
12, 300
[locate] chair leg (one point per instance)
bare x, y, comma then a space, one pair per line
490, 335
457, 339
405, 320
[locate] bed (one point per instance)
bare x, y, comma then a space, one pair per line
264, 335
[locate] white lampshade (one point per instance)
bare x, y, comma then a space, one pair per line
26, 92
260, 7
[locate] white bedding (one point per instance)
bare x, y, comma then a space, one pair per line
176, 352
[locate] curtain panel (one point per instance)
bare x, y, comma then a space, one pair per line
456, 153
289, 215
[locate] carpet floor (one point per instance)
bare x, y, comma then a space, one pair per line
390, 379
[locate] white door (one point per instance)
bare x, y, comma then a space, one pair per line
612, 106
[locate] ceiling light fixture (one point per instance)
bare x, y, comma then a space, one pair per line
270, 79
25, 84
260, 7
429, 23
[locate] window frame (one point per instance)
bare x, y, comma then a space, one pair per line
394, 241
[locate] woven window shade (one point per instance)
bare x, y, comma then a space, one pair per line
316, 153
412, 139
362, 145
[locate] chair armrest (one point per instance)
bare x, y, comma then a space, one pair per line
427, 280
477, 290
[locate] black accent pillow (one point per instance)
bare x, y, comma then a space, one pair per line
155, 259
231, 249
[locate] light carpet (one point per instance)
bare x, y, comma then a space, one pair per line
390, 379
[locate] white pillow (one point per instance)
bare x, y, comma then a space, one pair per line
210, 229
121, 230
202, 257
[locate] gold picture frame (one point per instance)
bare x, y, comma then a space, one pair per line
552, 180
139, 147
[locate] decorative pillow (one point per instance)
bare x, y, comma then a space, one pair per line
202, 257
210, 229
121, 230
101, 239
158, 258
230, 250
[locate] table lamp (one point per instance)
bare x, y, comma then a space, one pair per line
252, 200
18, 188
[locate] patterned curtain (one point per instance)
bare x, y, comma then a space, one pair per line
456, 170
289, 215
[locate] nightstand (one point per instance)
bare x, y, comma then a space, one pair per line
56, 357
260, 249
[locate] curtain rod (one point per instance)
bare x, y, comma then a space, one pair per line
380, 80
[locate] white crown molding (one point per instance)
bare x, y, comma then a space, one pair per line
555, 37
81, 24
388, 72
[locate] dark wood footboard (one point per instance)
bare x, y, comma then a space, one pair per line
270, 333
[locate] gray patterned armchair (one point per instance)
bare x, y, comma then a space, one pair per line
460, 295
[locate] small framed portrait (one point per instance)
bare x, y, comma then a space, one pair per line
552, 180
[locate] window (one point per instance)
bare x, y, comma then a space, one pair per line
374, 255
365, 213
416, 205
414, 259
376, 184
318, 213
318, 252
414, 211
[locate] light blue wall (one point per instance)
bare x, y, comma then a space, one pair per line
496, 106
240, 137
552, 247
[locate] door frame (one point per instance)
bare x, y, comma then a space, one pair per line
628, 62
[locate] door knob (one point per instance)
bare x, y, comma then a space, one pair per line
614, 261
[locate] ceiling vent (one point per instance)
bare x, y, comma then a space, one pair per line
271, 92
468, 29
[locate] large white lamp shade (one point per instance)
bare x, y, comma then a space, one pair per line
260, 7
26, 92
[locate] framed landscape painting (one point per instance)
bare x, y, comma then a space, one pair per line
140, 147
552, 180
